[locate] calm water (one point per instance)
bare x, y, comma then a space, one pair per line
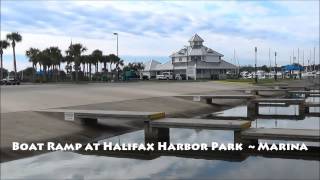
70, 165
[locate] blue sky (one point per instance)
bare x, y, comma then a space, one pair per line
155, 29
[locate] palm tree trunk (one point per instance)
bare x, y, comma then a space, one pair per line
90, 71
110, 71
59, 72
1, 76
33, 74
14, 60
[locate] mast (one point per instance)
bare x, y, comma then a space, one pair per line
314, 58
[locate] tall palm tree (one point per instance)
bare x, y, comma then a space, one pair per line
113, 60
55, 59
75, 51
96, 58
14, 37
33, 55
3, 45
119, 64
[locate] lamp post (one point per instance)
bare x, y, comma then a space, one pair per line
255, 65
187, 78
116, 34
275, 67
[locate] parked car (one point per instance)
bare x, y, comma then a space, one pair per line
180, 77
165, 76
145, 77
10, 81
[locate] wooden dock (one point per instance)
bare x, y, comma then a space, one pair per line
278, 100
282, 134
312, 104
209, 98
200, 123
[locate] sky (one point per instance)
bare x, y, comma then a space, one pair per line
155, 29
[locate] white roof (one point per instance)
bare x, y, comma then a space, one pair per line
199, 51
200, 65
151, 65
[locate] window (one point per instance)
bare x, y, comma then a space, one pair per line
180, 59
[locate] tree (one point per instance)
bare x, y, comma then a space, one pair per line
14, 37
33, 55
113, 59
119, 64
3, 45
55, 57
97, 57
75, 51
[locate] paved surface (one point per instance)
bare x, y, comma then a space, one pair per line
36, 97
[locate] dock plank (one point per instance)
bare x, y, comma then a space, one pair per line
282, 134
220, 96
80, 113
313, 104
200, 123
278, 100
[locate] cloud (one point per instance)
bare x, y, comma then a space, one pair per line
159, 28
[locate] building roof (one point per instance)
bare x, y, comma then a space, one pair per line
202, 51
151, 65
196, 38
200, 65
199, 50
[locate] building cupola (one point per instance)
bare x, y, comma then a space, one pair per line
196, 41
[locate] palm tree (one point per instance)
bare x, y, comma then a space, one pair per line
33, 55
96, 58
75, 51
113, 59
119, 64
55, 59
14, 37
3, 45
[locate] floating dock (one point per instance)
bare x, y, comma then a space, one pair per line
282, 134
200, 123
91, 116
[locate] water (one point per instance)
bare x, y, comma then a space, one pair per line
71, 165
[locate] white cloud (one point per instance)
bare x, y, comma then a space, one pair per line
159, 28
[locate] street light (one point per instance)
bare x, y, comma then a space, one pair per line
255, 65
116, 34
275, 63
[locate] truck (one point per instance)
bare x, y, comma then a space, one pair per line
10, 81
165, 76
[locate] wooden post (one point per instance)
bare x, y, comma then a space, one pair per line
245, 142
155, 135
209, 100
302, 108
86, 121
252, 110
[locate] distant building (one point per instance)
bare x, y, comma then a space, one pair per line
196, 60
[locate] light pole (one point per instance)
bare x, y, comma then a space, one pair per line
255, 65
116, 34
275, 67
187, 78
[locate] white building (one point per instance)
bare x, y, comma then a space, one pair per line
196, 60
